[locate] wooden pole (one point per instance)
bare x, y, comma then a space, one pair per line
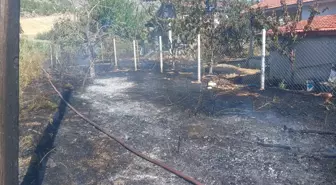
161, 58
135, 55
199, 57
263, 55
115, 52
9, 91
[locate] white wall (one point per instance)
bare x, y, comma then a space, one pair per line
314, 58
331, 10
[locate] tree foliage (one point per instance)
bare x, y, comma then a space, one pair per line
95, 22
227, 38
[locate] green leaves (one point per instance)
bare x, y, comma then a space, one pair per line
122, 18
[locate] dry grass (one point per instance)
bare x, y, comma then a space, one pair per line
27, 142
231, 69
35, 25
31, 60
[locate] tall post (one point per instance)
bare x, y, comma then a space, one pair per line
135, 55
262, 81
199, 56
170, 35
161, 58
9, 91
115, 52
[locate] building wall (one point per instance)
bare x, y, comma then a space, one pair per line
330, 11
279, 66
314, 57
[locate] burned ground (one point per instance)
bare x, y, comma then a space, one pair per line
240, 136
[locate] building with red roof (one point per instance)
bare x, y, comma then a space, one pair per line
325, 22
315, 54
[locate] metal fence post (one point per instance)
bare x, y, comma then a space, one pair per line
161, 60
262, 80
199, 56
115, 52
135, 55
170, 35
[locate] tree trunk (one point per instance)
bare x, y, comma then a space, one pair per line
251, 54
92, 65
211, 67
251, 49
211, 62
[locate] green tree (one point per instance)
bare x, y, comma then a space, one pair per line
95, 21
227, 37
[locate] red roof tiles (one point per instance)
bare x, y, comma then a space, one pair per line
319, 24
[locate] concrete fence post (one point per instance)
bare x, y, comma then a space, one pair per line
262, 80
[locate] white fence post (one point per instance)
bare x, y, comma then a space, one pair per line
135, 55
262, 80
161, 60
199, 56
115, 52
170, 35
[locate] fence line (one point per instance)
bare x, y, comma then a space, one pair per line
311, 65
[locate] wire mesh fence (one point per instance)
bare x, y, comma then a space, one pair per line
308, 66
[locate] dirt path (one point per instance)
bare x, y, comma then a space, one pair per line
226, 143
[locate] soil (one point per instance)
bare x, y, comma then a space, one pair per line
232, 136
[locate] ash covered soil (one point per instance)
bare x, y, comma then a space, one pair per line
227, 141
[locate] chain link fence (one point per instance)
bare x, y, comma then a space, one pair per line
308, 66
